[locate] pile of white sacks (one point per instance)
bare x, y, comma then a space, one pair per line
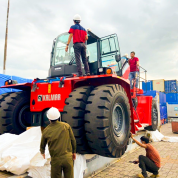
156, 136
20, 154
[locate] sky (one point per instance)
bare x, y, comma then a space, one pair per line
147, 27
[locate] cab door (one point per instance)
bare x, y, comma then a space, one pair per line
109, 48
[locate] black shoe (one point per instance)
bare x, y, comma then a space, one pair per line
88, 74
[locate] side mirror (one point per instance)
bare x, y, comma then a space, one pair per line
117, 57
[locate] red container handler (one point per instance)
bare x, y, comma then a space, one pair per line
174, 122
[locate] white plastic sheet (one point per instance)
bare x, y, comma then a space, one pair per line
19, 150
40, 167
79, 166
37, 170
20, 153
40, 172
156, 136
170, 139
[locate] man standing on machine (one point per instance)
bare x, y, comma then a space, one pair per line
134, 70
79, 35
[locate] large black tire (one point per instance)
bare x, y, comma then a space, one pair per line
154, 117
74, 112
108, 120
3, 96
14, 109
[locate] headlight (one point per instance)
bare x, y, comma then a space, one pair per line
108, 71
104, 70
100, 69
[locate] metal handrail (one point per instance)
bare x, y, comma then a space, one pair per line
145, 78
142, 68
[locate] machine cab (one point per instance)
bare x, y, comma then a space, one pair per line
101, 53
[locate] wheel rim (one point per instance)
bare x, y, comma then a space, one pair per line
23, 116
118, 118
155, 115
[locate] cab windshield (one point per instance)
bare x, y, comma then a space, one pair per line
62, 57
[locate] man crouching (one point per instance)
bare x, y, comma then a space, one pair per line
151, 162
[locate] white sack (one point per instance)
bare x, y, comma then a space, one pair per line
170, 139
6, 140
79, 166
40, 167
16, 156
44, 172
38, 159
20, 153
155, 136
40, 172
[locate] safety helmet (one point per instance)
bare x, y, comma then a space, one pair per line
77, 17
53, 114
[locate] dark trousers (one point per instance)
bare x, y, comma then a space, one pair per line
147, 164
80, 50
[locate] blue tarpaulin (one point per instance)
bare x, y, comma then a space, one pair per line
3, 78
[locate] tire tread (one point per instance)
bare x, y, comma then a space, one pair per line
97, 109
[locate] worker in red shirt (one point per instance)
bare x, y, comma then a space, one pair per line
134, 69
80, 36
151, 162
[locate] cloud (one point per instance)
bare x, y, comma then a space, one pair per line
147, 27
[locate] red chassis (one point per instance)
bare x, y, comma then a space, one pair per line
48, 93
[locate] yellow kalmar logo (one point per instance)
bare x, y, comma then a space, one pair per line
49, 88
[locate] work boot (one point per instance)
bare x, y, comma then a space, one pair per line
141, 176
154, 176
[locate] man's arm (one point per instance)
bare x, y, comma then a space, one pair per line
73, 142
69, 40
137, 63
137, 142
43, 145
86, 38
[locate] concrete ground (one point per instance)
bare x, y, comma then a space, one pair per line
169, 160
122, 167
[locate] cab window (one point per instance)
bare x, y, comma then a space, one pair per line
109, 47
